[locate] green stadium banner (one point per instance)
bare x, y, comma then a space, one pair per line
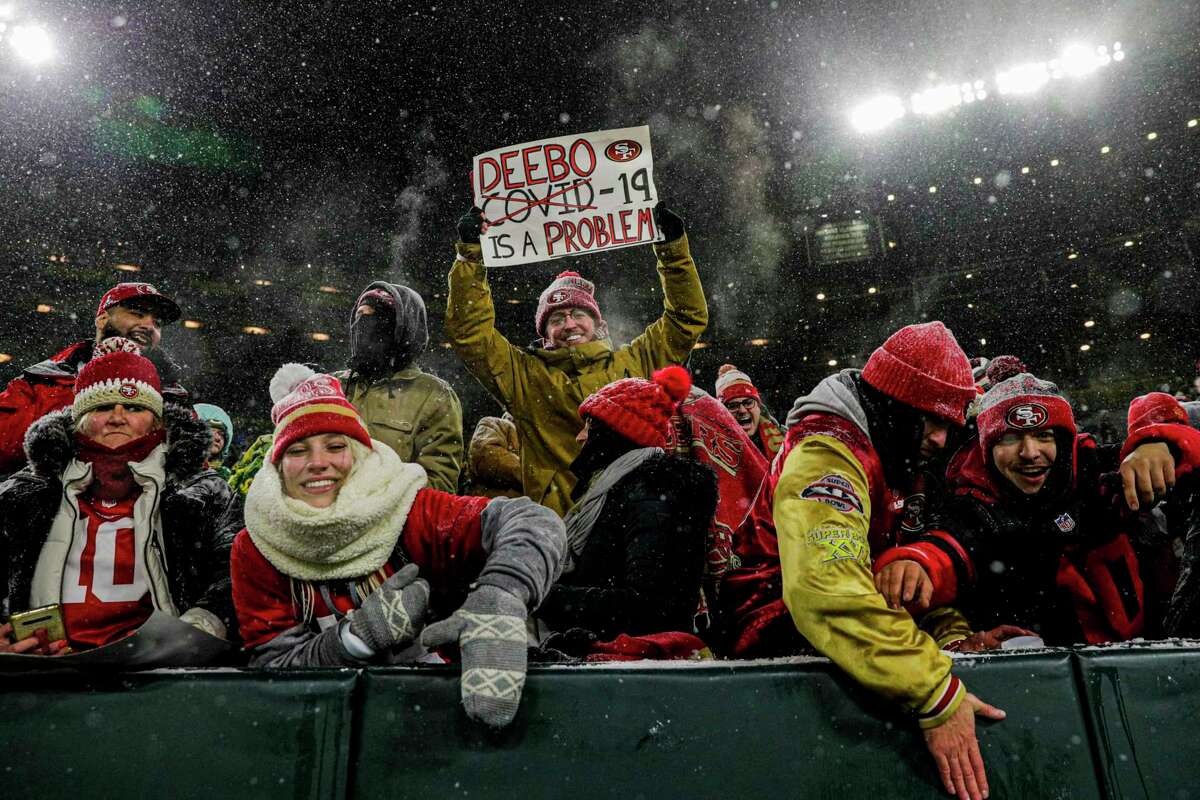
1144, 708
181, 734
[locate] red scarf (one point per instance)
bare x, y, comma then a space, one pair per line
111, 477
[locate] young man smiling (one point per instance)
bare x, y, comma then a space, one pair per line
135, 311
1033, 534
543, 385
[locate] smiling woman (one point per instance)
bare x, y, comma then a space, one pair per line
315, 468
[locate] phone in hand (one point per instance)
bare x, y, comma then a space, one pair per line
50, 618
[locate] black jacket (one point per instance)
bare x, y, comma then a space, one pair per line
1016, 545
199, 514
641, 568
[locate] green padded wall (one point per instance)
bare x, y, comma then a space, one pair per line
798, 730
195, 734
1144, 706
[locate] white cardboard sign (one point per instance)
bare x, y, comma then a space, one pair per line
566, 196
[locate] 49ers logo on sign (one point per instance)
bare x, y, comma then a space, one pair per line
623, 150
1027, 416
128, 391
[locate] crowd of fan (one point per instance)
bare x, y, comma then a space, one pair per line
921, 505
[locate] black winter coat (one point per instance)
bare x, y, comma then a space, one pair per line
200, 516
1015, 543
641, 568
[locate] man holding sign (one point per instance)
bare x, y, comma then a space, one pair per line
544, 199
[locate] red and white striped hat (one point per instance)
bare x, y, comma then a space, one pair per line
308, 403
117, 374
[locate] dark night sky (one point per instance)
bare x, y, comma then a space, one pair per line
218, 143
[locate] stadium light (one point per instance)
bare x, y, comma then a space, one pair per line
937, 99
1023, 79
1079, 60
877, 113
32, 44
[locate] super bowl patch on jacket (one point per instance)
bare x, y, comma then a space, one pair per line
836, 491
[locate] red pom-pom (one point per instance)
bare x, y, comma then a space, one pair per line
567, 274
675, 381
726, 368
1001, 368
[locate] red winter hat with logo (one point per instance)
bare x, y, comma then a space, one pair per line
119, 374
923, 367
638, 409
308, 403
1021, 404
140, 294
567, 290
733, 384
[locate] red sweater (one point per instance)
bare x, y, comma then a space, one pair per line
442, 535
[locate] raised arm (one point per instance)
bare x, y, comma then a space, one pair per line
471, 319
669, 339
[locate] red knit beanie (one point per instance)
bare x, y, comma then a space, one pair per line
567, 290
732, 383
1022, 403
119, 374
308, 403
1156, 408
922, 366
638, 409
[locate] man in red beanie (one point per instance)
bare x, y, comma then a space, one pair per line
542, 385
636, 535
739, 395
853, 445
1030, 493
135, 311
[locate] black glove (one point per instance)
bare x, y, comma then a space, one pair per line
469, 226
670, 223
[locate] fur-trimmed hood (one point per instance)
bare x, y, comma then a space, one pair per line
50, 443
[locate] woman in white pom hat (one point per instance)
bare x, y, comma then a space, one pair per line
346, 554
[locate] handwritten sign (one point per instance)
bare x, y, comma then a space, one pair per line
566, 196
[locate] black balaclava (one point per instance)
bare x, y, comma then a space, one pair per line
603, 447
390, 339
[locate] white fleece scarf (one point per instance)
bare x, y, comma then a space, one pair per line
352, 537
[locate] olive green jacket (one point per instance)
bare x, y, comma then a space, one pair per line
417, 415
542, 389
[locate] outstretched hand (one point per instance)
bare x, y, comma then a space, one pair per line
1147, 473
490, 632
470, 226
988, 640
955, 748
903, 583
30, 645
670, 223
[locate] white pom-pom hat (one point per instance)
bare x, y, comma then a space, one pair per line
309, 403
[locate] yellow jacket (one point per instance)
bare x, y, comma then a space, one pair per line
542, 389
823, 513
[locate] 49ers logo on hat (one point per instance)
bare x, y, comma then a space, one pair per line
128, 391
558, 297
623, 150
1027, 416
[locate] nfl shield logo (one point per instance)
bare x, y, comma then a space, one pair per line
1065, 523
